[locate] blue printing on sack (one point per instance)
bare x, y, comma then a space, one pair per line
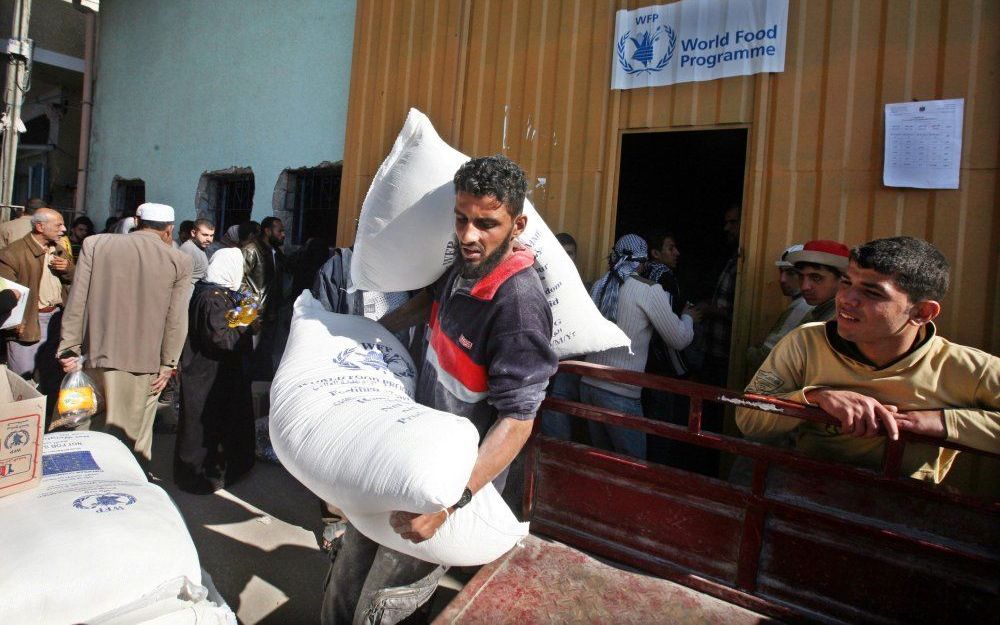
68, 462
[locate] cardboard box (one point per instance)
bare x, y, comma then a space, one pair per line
22, 418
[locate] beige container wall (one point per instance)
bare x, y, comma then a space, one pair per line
531, 79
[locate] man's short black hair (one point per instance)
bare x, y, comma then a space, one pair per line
494, 175
566, 238
185, 229
656, 238
267, 222
919, 269
83, 219
201, 222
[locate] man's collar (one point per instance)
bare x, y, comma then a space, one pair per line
487, 286
850, 350
37, 248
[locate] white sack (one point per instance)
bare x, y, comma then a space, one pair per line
344, 423
405, 238
94, 536
478, 533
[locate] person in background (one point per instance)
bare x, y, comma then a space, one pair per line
790, 318
127, 311
568, 243
663, 359
880, 368
639, 307
199, 237
109, 225
820, 265
38, 262
184, 231
15, 229
215, 436
263, 269
82, 228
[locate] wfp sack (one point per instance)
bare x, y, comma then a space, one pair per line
344, 423
405, 238
94, 536
480, 532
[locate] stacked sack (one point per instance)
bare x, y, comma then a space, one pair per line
97, 543
344, 423
405, 239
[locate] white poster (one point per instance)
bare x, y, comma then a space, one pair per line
923, 144
696, 40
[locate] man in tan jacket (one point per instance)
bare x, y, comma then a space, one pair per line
38, 262
127, 311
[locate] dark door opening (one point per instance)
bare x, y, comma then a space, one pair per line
683, 182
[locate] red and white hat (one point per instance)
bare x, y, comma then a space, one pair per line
821, 252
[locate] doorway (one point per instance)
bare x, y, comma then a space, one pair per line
683, 182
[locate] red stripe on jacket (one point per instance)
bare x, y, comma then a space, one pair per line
453, 359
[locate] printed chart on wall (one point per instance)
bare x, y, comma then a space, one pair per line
923, 144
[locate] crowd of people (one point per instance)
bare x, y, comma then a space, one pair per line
856, 338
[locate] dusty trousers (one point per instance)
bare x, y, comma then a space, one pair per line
369, 584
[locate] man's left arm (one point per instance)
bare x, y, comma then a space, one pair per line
522, 363
977, 427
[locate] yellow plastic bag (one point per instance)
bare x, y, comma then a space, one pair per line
78, 399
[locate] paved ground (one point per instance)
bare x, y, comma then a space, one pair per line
259, 542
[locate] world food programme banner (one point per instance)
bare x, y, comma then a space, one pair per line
698, 40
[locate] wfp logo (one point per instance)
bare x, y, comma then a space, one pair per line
104, 502
17, 438
652, 43
374, 356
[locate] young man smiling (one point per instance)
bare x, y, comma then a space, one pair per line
487, 358
880, 368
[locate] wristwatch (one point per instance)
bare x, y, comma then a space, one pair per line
466, 498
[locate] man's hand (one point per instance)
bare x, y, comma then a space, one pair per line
923, 422
417, 527
59, 264
692, 311
160, 381
17, 295
70, 364
859, 415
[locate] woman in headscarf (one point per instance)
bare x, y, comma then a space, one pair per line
639, 307
215, 438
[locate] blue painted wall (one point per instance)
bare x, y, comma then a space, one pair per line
189, 86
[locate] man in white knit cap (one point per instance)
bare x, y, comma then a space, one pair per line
127, 312
790, 318
639, 307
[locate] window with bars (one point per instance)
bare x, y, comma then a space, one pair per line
313, 199
128, 194
233, 199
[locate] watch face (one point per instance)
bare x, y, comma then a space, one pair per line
466, 498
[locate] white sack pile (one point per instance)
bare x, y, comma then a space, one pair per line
97, 543
344, 423
405, 238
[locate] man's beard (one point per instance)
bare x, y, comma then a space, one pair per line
488, 264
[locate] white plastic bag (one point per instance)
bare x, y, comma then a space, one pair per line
78, 399
406, 231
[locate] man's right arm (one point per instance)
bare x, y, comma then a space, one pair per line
72, 320
414, 312
781, 375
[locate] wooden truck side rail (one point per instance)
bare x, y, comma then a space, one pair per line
805, 540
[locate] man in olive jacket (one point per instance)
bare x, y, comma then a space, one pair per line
127, 312
38, 262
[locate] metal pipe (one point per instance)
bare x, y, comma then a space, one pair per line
13, 99
83, 156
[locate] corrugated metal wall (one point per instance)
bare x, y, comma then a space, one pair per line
531, 79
